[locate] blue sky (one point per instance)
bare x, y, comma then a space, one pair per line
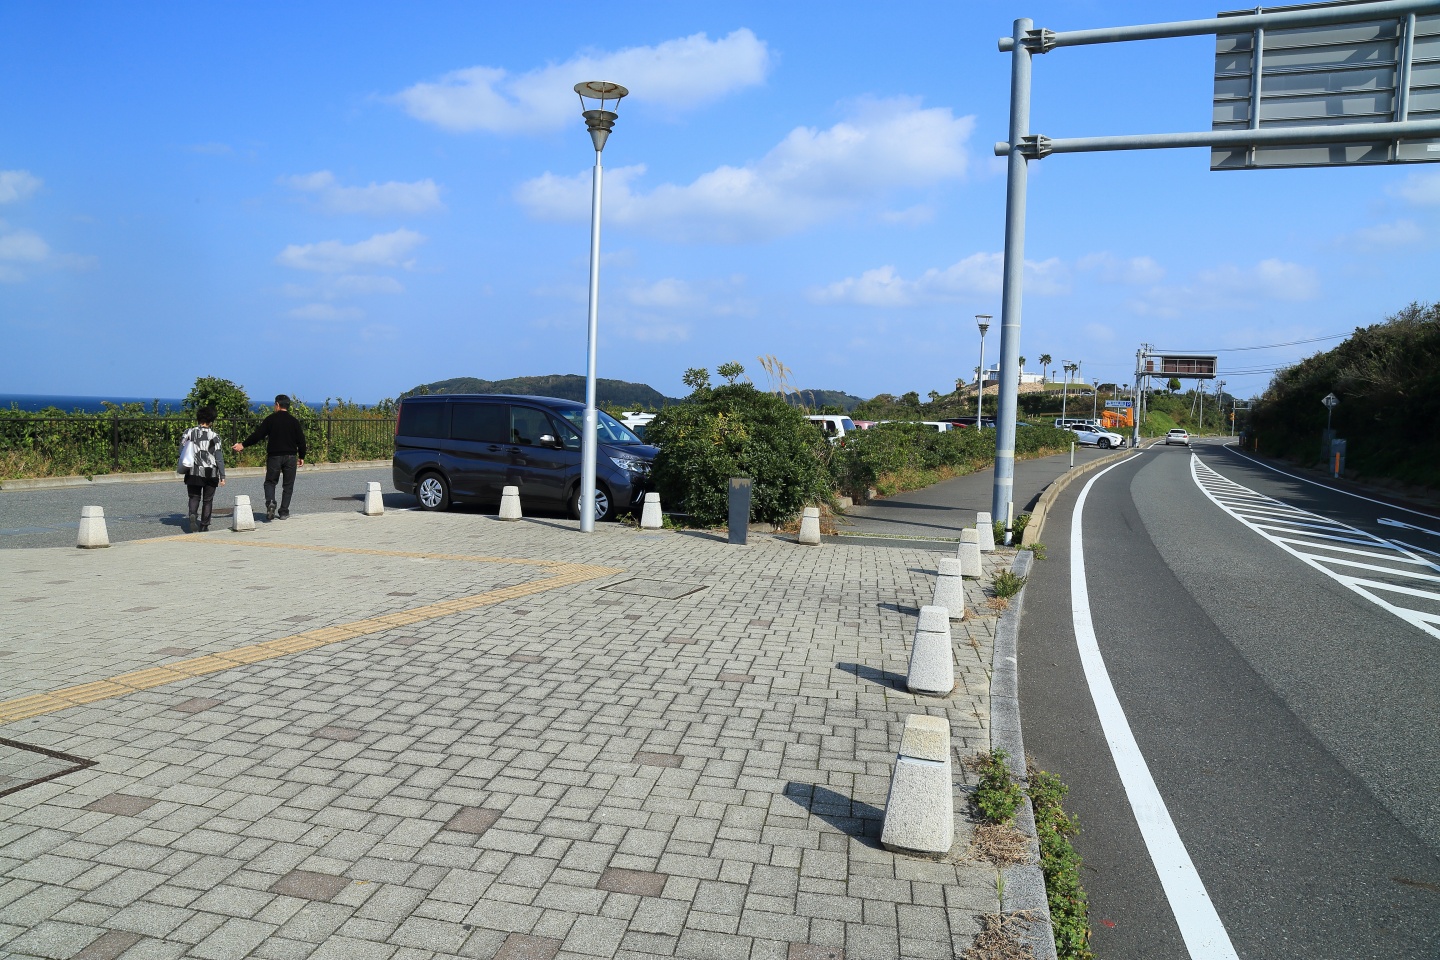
350, 199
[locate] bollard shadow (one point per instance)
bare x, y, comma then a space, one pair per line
900, 609
923, 572
851, 817
702, 535
884, 678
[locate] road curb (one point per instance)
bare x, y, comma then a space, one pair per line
1024, 884
46, 483
1036, 524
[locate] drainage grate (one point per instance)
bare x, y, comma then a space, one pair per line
660, 589
22, 765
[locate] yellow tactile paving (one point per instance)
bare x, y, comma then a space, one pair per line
34, 705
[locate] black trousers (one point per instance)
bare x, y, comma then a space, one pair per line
275, 468
202, 496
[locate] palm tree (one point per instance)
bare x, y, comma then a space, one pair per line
1022, 366
1045, 361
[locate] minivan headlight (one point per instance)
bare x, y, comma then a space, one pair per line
631, 465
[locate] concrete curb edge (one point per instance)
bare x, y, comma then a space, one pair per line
1024, 884
1036, 524
45, 483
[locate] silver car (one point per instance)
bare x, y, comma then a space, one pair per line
1091, 437
1177, 436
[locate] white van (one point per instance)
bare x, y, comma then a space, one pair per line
834, 426
637, 422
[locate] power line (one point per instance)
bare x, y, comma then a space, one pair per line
1267, 346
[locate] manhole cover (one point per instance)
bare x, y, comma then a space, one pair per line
22, 765
662, 589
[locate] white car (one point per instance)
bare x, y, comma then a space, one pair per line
1177, 436
1091, 437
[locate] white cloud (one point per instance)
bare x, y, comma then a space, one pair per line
1133, 271
1230, 287
16, 185
9, 274
377, 199
666, 294
1396, 234
1419, 188
332, 256
325, 312
23, 246
980, 274
809, 177
910, 216
685, 73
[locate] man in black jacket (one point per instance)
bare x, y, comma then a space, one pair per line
284, 451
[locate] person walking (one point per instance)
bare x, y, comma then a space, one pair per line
284, 453
206, 470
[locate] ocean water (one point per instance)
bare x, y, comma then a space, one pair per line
68, 403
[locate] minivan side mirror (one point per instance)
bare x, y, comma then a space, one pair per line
549, 441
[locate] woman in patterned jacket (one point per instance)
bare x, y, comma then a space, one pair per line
208, 470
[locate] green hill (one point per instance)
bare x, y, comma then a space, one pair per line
567, 386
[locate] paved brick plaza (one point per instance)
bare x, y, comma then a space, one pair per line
431, 735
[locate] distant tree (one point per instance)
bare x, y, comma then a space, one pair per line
934, 396
228, 399
1174, 384
1022, 364
911, 399
731, 371
1045, 361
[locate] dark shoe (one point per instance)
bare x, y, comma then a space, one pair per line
194, 523
270, 510
284, 514
204, 528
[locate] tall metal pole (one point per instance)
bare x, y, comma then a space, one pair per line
588, 439
1010, 297
980, 377
1095, 402
1065, 395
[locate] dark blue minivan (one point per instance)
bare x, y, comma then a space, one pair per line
466, 448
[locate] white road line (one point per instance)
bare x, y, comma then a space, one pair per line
1358, 553
1363, 588
1373, 566
1275, 524
1200, 925
1323, 486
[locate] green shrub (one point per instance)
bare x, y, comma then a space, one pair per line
1008, 584
738, 431
997, 796
1069, 910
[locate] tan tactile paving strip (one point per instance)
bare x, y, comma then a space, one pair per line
488, 807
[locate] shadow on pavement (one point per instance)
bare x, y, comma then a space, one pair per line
875, 675
851, 817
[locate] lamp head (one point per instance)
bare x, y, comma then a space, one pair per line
598, 120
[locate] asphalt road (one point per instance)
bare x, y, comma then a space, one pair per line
1289, 724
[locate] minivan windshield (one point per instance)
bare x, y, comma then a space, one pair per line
607, 428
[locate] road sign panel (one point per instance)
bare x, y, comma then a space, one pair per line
1385, 70
1184, 367
1122, 404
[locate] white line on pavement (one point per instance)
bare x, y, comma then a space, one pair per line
1325, 486
1200, 926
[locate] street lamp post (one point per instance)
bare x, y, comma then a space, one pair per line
983, 319
1069, 367
599, 122
1095, 400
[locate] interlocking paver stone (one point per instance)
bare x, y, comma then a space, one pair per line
693, 765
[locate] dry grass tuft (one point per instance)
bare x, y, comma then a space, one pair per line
999, 938
998, 603
1001, 844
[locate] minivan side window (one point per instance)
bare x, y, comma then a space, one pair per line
426, 420
529, 425
567, 434
480, 422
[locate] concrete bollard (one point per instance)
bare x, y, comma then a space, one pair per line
969, 554
810, 527
932, 661
92, 528
510, 503
650, 516
243, 519
986, 526
920, 810
374, 501
950, 589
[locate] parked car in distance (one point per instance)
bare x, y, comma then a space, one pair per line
466, 448
1177, 436
834, 426
962, 423
1069, 422
864, 424
637, 422
1091, 437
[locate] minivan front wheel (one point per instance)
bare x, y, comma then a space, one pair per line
432, 492
604, 505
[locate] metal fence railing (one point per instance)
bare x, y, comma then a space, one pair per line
62, 446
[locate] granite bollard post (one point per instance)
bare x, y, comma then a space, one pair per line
650, 516
510, 503
932, 659
986, 526
950, 588
92, 528
243, 519
920, 810
810, 527
374, 501
969, 554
